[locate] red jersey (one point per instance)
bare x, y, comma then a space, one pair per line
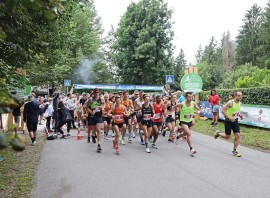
158, 112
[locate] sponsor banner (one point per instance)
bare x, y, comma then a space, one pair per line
119, 87
254, 115
192, 83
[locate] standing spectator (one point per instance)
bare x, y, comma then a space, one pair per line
17, 111
70, 105
48, 112
213, 99
64, 118
55, 108
30, 117
41, 109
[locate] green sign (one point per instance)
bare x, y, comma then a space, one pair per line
192, 83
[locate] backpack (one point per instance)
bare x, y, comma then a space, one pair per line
66, 115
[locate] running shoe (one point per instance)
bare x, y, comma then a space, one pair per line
212, 123
68, 135
147, 150
34, 143
184, 138
154, 146
94, 139
215, 124
105, 137
133, 135
88, 140
236, 154
117, 150
99, 148
163, 133
130, 138
142, 142
170, 140
216, 134
193, 151
114, 144
122, 142
63, 137
113, 135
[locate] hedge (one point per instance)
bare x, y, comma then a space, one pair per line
256, 96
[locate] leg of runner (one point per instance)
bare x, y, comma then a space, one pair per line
187, 133
116, 140
129, 130
105, 125
170, 128
123, 134
98, 131
145, 130
134, 121
156, 129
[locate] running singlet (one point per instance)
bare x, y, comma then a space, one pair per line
139, 102
107, 108
147, 112
158, 112
118, 117
234, 110
127, 104
186, 114
96, 106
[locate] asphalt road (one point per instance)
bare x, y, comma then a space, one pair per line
72, 168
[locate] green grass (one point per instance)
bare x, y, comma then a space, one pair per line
253, 137
18, 169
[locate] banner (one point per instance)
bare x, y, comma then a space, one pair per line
192, 83
254, 115
119, 87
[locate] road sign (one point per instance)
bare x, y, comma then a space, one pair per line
67, 83
169, 79
192, 83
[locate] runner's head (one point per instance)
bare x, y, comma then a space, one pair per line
141, 94
96, 92
238, 96
146, 98
174, 98
120, 93
231, 96
84, 96
189, 96
69, 95
106, 97
125, 94
158, 98
117, 99
112, 99
136, 94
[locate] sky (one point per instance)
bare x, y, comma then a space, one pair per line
196, 21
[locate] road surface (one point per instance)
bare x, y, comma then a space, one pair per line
73, 169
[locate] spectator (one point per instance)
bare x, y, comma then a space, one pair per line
213, 99
17, 111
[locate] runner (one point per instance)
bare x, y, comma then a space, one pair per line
232, 112
118, 111
170, 112
130, 109
157, 122
187, 118
112, 100
94, 109
147, 116
138, 105
134, 114
106, 109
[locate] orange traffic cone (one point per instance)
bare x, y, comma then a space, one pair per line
79, 136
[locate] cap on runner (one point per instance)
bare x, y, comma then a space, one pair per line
96, 90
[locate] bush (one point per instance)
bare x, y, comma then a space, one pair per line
257, 96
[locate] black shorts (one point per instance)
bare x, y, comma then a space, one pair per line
92, 121
169, 119
133, 114
186, 123
40, 112
139, 118
157, 123
147, 123
119, 125
107, 119
32, 127
126, 119
231, 126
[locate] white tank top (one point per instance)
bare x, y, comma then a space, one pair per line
139, 103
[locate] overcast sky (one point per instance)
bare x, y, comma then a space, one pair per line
195, 20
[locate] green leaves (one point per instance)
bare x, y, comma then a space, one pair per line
3, 35
32, 4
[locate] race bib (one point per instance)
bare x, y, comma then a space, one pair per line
147, 116
235, 114
157, 116
118, 118
188, 116
97, 109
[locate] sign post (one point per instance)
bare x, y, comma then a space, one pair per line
67, 83
169, 79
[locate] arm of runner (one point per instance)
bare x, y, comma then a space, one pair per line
131, 106
197, 111
224, 111
153, 110
125, 111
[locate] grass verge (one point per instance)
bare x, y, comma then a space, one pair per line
18, 169
253, 137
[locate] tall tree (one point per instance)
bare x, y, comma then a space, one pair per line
248, 38
199, 54
264, 39
228, 54
143, 48
211, 54
179, 67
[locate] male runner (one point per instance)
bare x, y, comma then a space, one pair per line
106, 109
130, 109
94, 108
138, 105
232, 112
134, 114
186, 118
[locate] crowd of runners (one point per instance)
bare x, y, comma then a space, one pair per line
123, 117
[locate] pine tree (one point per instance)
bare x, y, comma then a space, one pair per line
228, 54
